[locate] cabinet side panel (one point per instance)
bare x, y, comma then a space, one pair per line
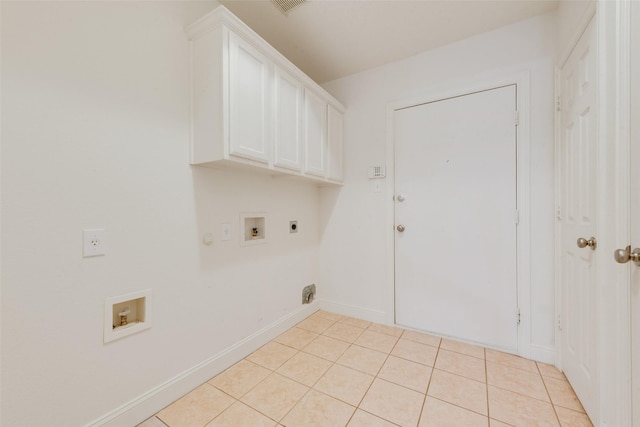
207, 97
335, 139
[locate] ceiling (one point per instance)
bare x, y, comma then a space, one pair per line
329, 39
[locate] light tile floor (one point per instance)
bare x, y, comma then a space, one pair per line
332, 370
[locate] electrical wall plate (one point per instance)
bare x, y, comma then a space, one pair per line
94, 242
293, 226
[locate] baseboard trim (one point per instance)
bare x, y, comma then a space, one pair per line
543, 353
353, 311
149, 403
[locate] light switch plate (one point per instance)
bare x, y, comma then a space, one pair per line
95, 242
225, 232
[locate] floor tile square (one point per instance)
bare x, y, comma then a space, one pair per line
275, 396
511, 360
460, 391
377, 341
365, 419
296, 338
315, 324
240, 378
196, 408
319, 410
422, 338
343, 332
415, 352
461, 364
571, 418
240, 414
345, 384
272, 355
358, 323
393, 402
464, 348
304, 368
406, 373
437, 413
562, 394
362, 359
327, 348
496, 423
516, 380
520, 410
386, 329
550, 371
152, 422
327, 315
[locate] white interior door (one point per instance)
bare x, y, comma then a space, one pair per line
455, 178
635, 208
579, 203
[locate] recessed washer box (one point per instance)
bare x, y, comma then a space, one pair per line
127, 314
254, 228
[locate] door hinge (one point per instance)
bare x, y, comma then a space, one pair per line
518, 316
558, 105
559, 322
516, 217
517, 118
559, 213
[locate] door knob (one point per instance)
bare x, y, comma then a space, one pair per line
400, 197
583, 243
400, 228
625, 255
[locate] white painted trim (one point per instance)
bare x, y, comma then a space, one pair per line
614, 38
363, 313
521, 80
543, 353
149, 403
558, 215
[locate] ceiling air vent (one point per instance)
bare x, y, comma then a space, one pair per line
286, 6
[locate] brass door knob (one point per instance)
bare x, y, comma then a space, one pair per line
400, 228
625, 255
583, 243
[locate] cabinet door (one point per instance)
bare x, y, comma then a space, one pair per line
315, 119
248, 101
287, 121
334, 138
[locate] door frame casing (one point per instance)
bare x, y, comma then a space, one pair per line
612, 281
523, 233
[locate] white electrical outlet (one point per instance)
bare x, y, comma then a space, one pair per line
95, 242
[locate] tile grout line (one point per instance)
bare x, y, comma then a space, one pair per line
549, 395
426, 392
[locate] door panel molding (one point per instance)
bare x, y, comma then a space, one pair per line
523, 233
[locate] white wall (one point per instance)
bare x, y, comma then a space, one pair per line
95, 134
354, 258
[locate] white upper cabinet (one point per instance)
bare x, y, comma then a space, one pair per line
251, 106
287, 106
249, 81
315, 141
